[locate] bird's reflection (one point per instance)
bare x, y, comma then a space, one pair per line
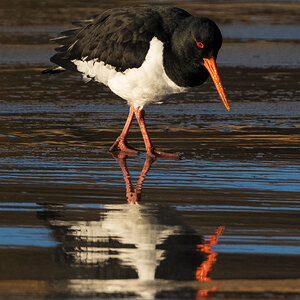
129, 241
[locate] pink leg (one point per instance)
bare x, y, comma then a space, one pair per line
151, 151
121, 142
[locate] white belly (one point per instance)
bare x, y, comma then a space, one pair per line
139, 86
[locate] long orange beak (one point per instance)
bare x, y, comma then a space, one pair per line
211, 66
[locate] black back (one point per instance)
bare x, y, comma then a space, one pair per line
119, 37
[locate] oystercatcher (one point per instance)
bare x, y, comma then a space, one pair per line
143, 54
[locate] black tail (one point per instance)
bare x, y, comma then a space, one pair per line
54, 70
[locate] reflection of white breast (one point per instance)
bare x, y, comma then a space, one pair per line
139, 86
129, 225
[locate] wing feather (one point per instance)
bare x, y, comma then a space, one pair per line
118, 37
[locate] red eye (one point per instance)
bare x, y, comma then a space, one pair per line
200, 45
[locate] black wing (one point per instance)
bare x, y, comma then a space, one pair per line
119, 37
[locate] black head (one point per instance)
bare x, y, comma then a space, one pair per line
205, 37
197, 38
195, 44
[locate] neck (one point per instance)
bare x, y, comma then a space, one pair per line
182, 72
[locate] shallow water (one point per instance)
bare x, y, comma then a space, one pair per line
221, 222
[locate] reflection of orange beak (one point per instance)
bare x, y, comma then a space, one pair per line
211, 66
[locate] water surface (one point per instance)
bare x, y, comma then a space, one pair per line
221, 222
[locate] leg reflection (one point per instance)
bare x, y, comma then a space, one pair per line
134, 195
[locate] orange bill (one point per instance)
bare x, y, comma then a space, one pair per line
211, 66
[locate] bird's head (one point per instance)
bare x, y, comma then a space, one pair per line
200, 40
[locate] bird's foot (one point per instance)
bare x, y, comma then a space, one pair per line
162, 155
121, 144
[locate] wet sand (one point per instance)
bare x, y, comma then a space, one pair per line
221, 222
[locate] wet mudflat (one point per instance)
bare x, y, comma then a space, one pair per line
221, 222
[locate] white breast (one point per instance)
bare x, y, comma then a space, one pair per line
139, 86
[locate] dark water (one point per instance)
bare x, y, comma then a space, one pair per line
221, 222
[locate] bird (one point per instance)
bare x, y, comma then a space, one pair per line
144, 55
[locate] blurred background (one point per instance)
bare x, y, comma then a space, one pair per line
221, 223
263, 32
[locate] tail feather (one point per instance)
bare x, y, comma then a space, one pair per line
54, 70
68, 49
